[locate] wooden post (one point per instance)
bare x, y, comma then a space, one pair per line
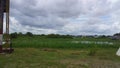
7, 22
1, 23
4, 8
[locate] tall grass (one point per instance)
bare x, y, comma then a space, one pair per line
42, 42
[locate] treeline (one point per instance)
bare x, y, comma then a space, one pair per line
29, 34
15, 34
117, 34
58, 36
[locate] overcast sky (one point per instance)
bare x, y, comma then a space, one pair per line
76, 17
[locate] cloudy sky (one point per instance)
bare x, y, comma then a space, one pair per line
76, 17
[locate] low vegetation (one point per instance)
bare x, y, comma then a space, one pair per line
60, 58
60, 51
69, 42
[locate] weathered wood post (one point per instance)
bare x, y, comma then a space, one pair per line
1, 23
4, 8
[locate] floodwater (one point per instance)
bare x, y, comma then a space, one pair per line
93, 42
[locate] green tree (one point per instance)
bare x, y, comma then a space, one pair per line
14, 35
29, 34
20, 34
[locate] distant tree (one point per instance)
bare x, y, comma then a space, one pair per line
103, 36
14, 35
69, 36
51, 36
58, 36
42, 35
29, 34
20, 34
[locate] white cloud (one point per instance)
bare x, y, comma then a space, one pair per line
65, 16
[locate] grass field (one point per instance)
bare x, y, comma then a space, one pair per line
42, 42
59, 58
38, 52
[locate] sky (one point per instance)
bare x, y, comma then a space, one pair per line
74, 17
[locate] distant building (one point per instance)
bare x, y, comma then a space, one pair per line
115, 37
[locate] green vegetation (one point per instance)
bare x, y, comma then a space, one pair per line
60, 58
61, 51
45, 42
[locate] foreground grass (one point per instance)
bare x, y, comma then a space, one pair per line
60, 58
41, 52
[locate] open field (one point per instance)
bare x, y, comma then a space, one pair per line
36, 52
42, 42
59, 58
